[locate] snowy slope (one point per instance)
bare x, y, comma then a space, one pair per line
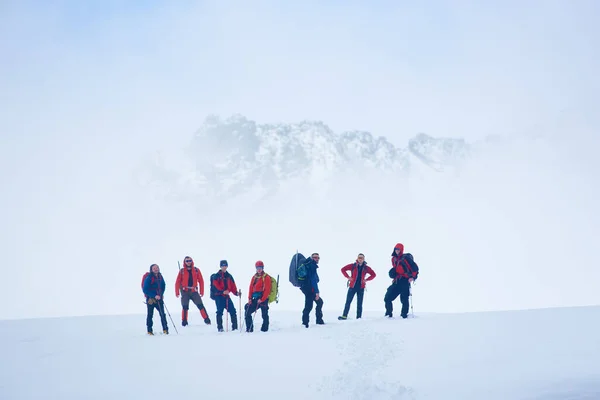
537, 354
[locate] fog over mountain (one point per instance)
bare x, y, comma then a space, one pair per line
503, 223
235, 156
506, 222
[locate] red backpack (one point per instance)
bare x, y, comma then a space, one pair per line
143, 279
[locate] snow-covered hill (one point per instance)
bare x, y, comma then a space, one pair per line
547, 354
237, 156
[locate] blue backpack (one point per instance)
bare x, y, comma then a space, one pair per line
298, 272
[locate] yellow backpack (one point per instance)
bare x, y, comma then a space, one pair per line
274, 295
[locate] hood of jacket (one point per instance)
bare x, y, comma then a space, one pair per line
398, 246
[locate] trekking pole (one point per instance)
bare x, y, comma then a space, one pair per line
240, 299
170, 317
161, 313
412, 310
240, 309
254, 316
243, 320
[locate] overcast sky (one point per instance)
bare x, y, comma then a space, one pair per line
88, 88
463, 68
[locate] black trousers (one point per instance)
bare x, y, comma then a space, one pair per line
399, 288
359, 301
224, 303
159, 305
309, 298
251, 308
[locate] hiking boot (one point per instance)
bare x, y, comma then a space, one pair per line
342, 318
150, 333
166, 331
184, 322
404, 316
388, 315
220, 330
207, 321
305, 324
264, 329
320, 322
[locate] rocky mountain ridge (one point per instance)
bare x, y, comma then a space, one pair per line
234, 156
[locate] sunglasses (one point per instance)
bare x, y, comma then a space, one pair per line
188, 260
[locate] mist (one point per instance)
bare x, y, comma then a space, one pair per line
88, 93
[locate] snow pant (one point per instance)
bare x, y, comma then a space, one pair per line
400, 287
188, 295
251, 308
159, 305
224, 303
309, 297
359, 301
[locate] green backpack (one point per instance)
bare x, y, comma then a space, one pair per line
274, 295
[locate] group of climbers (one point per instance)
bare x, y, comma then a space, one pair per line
403, 272
189, 284
263, 289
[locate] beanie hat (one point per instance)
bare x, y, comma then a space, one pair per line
223, 263
259, 264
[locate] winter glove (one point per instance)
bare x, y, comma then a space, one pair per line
151, 301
